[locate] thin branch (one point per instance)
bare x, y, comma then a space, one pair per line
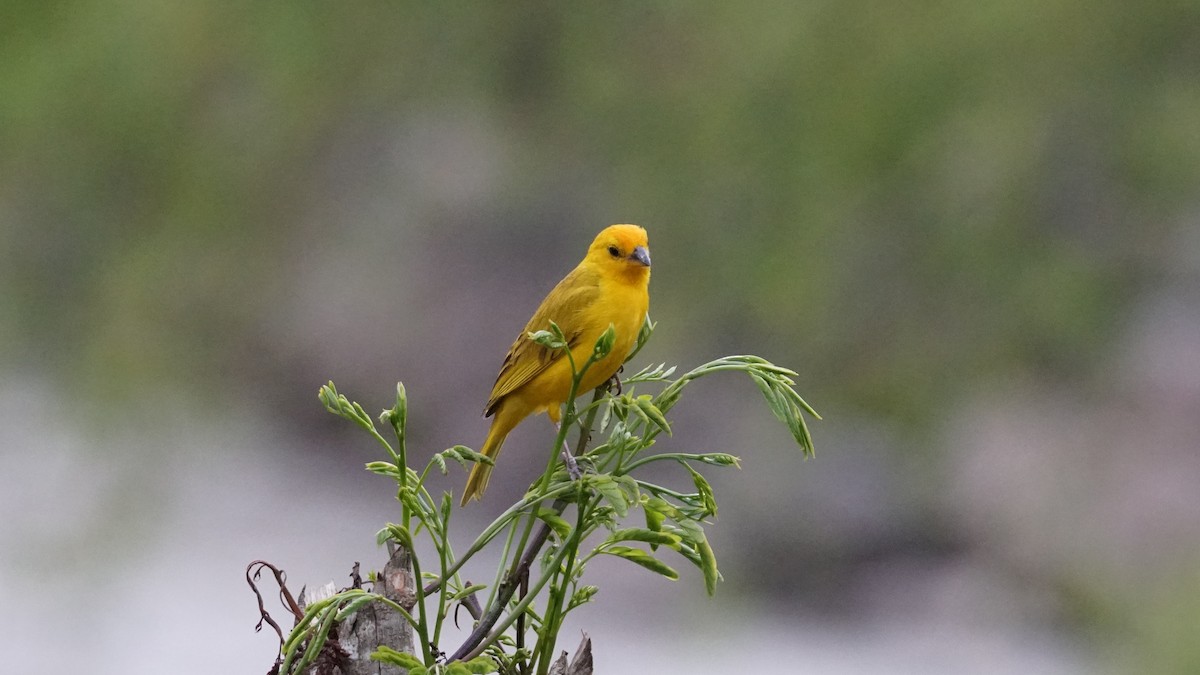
509, 586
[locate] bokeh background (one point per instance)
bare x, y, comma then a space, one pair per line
972, 227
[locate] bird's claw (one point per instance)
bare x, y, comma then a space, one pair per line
572, 466
614, 382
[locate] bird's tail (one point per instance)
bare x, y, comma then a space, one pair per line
477, 482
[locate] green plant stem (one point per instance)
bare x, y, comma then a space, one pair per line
686, 456
402, 459
490, 533
505, 592
516, 611
560, 440
512, 533
505, 589
564, 427
317, 640
659, 491
422, 621
396, 459
553, 619
396, 606
443, 555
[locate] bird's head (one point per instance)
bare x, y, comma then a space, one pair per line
624, 249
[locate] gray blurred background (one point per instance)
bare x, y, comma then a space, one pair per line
972, 228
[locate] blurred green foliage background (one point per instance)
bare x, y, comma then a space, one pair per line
972, 227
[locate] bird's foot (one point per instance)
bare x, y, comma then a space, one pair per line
614, 382
572, 466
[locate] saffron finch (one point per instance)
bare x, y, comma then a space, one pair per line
609, 287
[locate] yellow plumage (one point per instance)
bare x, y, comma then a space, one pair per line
610, 286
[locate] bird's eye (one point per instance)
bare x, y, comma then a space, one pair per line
614, 251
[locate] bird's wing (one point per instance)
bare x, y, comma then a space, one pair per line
564, 306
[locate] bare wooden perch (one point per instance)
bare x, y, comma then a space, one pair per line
349, 646
377, 624
581, 663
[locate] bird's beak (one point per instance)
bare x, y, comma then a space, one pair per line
641, 255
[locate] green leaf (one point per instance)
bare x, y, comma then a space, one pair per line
318, 637
633, 493
708, 564
604, 343
637, 410
659, 373
611, 492
482, 665
720, 459
604, 515
708, 499
447, 505
329, 398
354, 605
688, 529
383, 468
581, 596
385, 654
462, 454
457, 668
766, 366
605, 417
689, 552
692, 530
643, 337
399, 412
786, 405
654, 519
400, 534
668, 397
664, 507
620, 439
556, 522
440, 461
773, 401
791, 393
640, 557
646, 535
360, 413
409, 497
652, 413
620, 409
546, 339
552, 339
343, 407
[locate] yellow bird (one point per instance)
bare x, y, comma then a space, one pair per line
610, 286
